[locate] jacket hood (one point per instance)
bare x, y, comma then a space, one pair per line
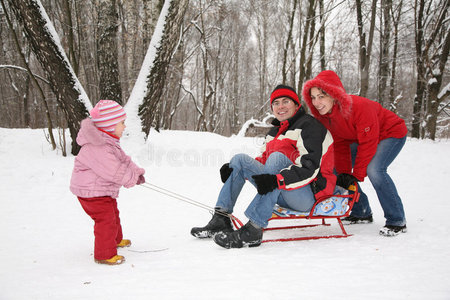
329, 82
90, 134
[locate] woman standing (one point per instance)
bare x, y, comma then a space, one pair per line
367, 138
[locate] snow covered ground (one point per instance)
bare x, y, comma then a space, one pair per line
47, 240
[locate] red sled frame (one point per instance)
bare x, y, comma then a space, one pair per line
353, 197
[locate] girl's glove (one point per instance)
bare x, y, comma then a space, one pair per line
345, 180
265, 183
225, 172
141, 180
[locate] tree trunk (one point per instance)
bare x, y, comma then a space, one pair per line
70, 37
52, 60
312, 41
434, 85
157, 77
26, 106
206, 87
31, 76
262, 23
396, 20
107, 51
288, 41
385, 39
322, 36
365, 50
420, 85
432, 52
304, 45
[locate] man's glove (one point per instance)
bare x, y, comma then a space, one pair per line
345, 180
265, 183
225, 172
141, 180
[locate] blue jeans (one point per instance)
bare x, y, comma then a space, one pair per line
260, 209
390, 201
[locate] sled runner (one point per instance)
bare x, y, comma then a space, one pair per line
336, 206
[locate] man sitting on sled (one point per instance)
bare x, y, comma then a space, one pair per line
295, 168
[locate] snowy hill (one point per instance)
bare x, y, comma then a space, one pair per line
47, 239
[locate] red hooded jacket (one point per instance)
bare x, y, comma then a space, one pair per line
353, 119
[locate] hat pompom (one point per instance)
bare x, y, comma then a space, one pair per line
95, 113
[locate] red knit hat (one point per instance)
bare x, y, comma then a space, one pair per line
106, 114
284, 91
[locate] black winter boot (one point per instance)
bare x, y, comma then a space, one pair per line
392, 230
247, 235
219, 223
357, 220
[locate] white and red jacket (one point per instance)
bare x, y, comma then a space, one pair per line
353, 119
309, 145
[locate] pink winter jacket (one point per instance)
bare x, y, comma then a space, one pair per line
101, 167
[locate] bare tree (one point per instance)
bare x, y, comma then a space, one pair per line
107, 51
322, 36
30, 14
432, 50
261, 12
73, 57
230, 56
155, 85
86, 46
395, 14
365, 46
385, 40
288, 40
31, 75
206, 88
438, 61
306, 45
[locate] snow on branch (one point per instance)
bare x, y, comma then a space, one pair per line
255, 123
55, 37
25, 70
444, 93
140, 87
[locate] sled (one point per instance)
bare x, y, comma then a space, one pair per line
334, 206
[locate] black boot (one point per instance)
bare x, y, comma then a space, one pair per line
357, 220
247, 235
220, 222
392, 230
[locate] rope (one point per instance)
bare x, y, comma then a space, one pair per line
177, 196
190, 201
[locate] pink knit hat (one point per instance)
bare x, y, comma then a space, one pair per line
106, 114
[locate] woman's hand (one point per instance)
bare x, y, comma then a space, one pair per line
345, 180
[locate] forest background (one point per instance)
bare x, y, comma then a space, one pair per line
216, 62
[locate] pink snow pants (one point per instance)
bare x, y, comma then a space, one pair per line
107, 228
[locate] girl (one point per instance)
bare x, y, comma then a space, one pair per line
367, 138
100, 169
